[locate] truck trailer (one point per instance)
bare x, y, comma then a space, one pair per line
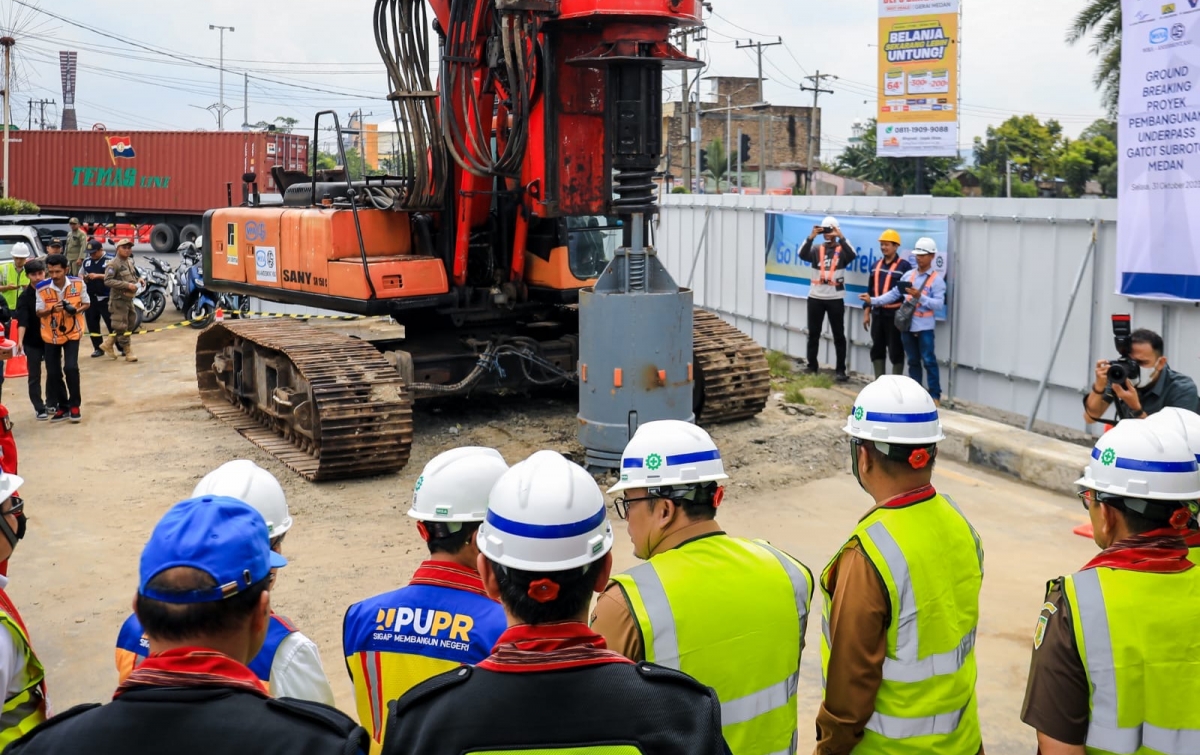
164, 179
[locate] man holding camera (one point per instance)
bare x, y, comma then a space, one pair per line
1140, 383
61, 302
826, 294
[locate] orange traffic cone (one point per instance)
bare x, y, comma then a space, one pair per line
1084, 530
17, 366
220, 315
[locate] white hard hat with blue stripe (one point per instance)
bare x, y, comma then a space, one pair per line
1141, 459
545, 514
1181, 421
669, 452
895, 409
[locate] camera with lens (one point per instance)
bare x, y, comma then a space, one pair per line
70, 308
1123, 368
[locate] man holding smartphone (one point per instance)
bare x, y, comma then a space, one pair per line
826, 293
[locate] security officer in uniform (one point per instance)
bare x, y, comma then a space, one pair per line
121, 278
21, 673
288, 663
729, 612
886, 342
902, 595
92, 272
204, 599
1116, 660
444, 617
76, 241
551, 684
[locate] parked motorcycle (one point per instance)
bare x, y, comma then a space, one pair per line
156, 288
189, 257
199, 304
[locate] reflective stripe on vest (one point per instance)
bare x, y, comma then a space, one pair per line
26, 709
826, 277
891, 271
666, 645
924, 289
1104, 729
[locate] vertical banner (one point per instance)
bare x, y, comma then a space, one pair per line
918, 78
1158, 252
788, 275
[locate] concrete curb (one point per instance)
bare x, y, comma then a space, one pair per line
1045, 462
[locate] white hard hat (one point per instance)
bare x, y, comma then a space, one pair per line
895, 409
1138, 460
545, 514
830, 222
249, 483
454, 485
1181, 421
669, 452
925, 245
9, 484
20, 249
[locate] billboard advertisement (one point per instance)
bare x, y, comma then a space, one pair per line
1158, 216
788, 275
918, 78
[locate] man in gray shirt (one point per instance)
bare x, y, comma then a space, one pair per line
826, 294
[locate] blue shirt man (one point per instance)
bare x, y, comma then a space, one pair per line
928, 288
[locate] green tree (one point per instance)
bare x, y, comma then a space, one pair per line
948, 188
1107, 176
11, 206
897, 174
718, 162
286, 124
1102, 127
1101, 21
1029, 143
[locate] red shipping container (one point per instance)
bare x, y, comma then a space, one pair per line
147, 172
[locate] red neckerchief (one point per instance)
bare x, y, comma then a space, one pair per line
448, 574
531, 648
1192, 539
192, 667
1161, 551
923, 493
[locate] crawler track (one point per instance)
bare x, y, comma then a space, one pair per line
733, 380
359, 419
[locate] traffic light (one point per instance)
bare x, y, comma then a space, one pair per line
703, 160
745, 148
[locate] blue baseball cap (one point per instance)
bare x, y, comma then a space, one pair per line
220, 536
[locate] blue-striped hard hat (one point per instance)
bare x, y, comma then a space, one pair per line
895, 409
1138, 459
669, 452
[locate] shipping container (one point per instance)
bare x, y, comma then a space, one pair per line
167, 179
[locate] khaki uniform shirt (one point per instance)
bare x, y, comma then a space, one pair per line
612, 618
118, 273
76, 241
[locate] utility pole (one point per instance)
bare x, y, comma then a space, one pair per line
7, 43
221, 105
685, 120
245, 102
812, 121
29, 123
762, 122
739, 158
42, 118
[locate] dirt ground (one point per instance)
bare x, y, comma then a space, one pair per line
95, 490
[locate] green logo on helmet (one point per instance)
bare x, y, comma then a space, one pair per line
858, 413
442, 511
1108, 457
420, 480
653, 462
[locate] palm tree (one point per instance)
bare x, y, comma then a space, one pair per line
1101, 20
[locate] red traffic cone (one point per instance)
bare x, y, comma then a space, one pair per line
16, 366
1084, 530
220, 315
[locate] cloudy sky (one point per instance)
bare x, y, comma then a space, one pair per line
305, 55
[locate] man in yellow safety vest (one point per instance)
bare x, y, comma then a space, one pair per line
21, 673
729, 612
1116, 659
902, 595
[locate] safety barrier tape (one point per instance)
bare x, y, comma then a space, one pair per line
240, 316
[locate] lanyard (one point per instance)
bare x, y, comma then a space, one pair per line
821, 271
891, 271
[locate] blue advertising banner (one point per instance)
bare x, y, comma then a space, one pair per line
788, 275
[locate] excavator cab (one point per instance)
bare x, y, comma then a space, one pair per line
573, 256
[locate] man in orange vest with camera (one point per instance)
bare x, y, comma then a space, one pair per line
61, 301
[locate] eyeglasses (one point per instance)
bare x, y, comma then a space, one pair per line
16, 509
1086, 497
622, 504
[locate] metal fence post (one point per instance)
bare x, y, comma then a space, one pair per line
1062, 331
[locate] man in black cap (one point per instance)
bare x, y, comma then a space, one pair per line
204, 603
93, 278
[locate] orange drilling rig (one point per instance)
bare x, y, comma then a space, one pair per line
513, 246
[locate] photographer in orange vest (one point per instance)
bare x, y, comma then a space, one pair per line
61, 301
